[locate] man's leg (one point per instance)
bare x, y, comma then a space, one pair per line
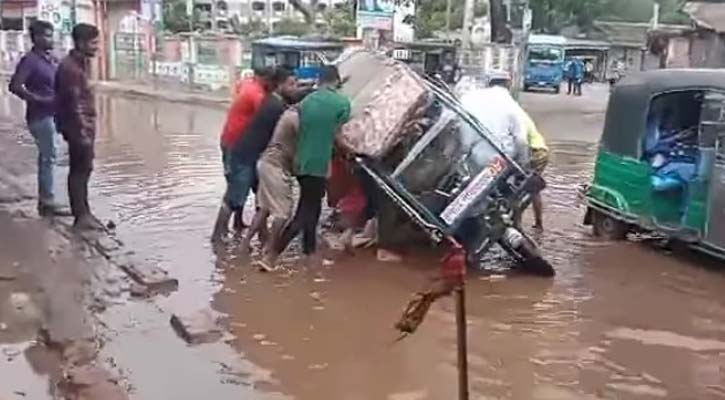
539, 161
238, 220
298, 222
81, 166
221, 225
258, 222
538, 206
316, 190
43, 132
274, 233
240, 178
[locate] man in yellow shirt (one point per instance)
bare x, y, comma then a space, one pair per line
538, 160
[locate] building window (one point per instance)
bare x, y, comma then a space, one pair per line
278, 6
222, 5
321, 6
258, 6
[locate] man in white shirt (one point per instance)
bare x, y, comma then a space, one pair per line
501, 115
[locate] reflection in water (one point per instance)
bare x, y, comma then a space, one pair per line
619, 321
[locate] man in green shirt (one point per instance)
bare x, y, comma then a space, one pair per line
321, 114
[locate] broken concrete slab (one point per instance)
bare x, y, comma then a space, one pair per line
91, 382
154, 278
199, 327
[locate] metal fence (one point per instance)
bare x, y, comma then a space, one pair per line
195, 61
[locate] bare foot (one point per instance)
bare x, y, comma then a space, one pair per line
88, 223
388, 256
346, 240
264, 266
268, 263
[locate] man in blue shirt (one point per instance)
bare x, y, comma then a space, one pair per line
33, 82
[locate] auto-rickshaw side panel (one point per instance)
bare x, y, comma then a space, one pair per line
621, 184
621, 181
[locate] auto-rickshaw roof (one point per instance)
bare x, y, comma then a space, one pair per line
626, 119
296, 43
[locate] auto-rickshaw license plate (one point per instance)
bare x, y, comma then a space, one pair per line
473, 190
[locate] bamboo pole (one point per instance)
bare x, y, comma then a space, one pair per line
462, 341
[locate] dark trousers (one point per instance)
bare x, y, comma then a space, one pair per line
307, 216
81, 166
570, 86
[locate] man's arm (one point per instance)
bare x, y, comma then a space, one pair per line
345, 113
520, 139
18, 80
68, 91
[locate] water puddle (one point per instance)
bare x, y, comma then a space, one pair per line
327, 332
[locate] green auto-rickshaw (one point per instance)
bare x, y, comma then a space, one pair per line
661, 161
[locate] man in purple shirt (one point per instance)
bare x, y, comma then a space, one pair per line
75, 116
33, 82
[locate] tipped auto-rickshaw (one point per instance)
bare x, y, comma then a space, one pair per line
661, 161
436, 162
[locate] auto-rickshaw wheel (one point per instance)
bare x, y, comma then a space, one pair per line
608, 228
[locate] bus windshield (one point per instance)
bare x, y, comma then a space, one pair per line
546, 54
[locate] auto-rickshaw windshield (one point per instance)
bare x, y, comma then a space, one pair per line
449, 151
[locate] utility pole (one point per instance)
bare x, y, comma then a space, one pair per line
498, 22
467, 23
448, 19
655, 16
73, 16
190, 43
213, 15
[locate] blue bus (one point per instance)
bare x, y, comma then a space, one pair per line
303, 56
544, 62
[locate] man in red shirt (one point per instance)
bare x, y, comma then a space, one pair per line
239, 177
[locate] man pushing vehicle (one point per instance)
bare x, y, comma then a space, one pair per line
497, 110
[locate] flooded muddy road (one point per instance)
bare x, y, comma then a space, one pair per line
620, 320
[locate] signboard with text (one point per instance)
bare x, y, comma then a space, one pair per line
375, 14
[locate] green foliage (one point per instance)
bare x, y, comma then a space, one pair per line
253, 28
175, 18
553, 15
341, 22
431, 16
288, 26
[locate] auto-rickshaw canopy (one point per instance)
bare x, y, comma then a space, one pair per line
626, 118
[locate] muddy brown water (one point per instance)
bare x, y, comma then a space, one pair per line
620, 320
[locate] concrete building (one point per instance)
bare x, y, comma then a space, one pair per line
269, 12
707, 40
699, 45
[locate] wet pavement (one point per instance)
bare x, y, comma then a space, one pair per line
620, 320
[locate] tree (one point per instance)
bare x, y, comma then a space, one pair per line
553, 15
341, 21
175, 17
288, 26
430, 16
309, 12
255, 27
